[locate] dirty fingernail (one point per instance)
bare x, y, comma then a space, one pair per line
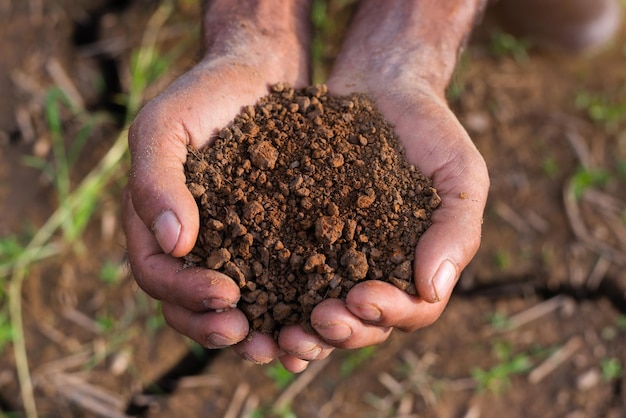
444, 279
308, 355
216, 340
167, 230
251, 359
218, 304
367, 312
335, 332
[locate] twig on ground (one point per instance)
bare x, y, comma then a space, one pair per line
61, 365
472, 412
555, 360
419, 377
462, 384
89, 397
391, 384
505, 212
64, 82
575, 218
250, 406
328, 409
610, 210
418, 382
201, 381
599, 271
236, 402
580, 148
28, 84
300, 383
406, 405
25, 124
84, 321
69, 343
535, 312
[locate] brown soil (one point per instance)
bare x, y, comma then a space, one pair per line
301, 197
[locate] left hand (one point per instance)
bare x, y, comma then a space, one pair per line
435, 142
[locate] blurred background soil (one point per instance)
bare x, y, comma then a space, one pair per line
537, 326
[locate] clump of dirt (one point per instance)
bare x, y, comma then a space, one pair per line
303, 196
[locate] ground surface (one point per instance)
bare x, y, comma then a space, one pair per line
537, 325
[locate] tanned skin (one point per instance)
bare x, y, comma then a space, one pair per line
402, 54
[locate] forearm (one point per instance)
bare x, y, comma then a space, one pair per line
419, 39
250, 27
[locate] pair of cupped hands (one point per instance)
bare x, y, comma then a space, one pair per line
161, 221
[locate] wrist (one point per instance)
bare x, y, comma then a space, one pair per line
271, 36
401, 43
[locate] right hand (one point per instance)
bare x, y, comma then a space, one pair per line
160, 217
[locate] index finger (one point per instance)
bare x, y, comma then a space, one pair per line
164, 277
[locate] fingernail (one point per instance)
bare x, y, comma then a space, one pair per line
166, 230
335, 332
308, 355
444, 279
219, 305
251, 359
216, 340
367, 312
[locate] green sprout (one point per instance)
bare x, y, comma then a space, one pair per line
611, 369
499, 321
355, 359
602, 107
584, 179
550, 167
498, 378
110, 273
504, 44
502, 259
279, 375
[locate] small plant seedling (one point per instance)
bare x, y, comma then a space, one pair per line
65, 156
502, 259
621, 169
6, 330
10, 250
355, 359
498, 378
603, 108
611, 369
283, 412
105, 322
550, 167
110, 273
457, 85
499, 321
156, 320
504, 44
323, 26
609, 333
279, 375
586, 178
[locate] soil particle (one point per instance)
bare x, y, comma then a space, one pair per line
302, 196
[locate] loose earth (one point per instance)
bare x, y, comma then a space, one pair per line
303, 196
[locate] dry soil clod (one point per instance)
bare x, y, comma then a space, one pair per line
301, 197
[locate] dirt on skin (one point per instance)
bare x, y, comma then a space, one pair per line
303, 196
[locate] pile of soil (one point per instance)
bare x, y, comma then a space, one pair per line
303, 196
